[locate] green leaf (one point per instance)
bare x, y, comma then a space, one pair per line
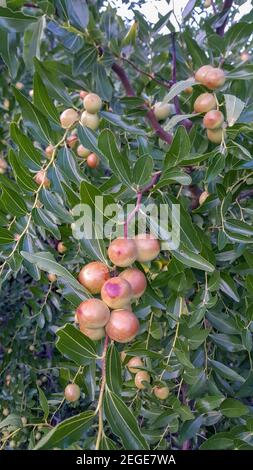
15, 21
234, 107
116, 120
227, 285
142, 170
13, 202
32, 41
236, 34
12, 421
193, 260
67, 162
42, 100
22, 175
178, 88
208, 403
25, 144
43, 218
226, 372
232, 408
6, 237
75, 345
89, 140
195, 50
179, 149
219, 441
52, 204
84, 59
67, 432
8, 51
122, 422
118, 162
43, 403
78, 13
190, 428
246, 389
53, 83
113, 370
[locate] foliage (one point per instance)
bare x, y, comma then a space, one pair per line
196, 315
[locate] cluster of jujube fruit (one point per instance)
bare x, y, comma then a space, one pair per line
117, 293
207, 103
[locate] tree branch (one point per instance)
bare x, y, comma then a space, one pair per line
225, 9
149, 75
160, 132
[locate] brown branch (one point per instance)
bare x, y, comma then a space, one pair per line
167, 85
225, 9
160, 132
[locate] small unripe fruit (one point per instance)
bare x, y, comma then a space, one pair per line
19, 86
215, 136
68, 118
31, 93
136, 279
148, 247
90, 120
44, 379
9, 350
214, 79
141, 377
72, 392
31, 347
161, 392
92, 103
161, 110
93, 276
204, 103
202, 72
41, 179
3, 166
93, 313
188, 90
83, 93
245, 56
123, 326
122, 252
116, 293
24, 420
61, 248
133, 363
72, 140
203, 196
213, 119
49, 151
92, 160
12, 444
6, 412
37, 436
52, 277
93, 333
39, 382
207, 3
82, 151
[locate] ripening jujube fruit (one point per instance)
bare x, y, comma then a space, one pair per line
72, 140
141, 377
203, 196
19, 85
92, 160
213, 119
68, 118
92, 103
122, 252
161, 392
49, 151
204, 103
83, 93
162, 110
207, 3
3, 166
92, 313
93, 276
215, 136
133, 363
244, 56
90, 120
6, 412
51, 277
136, 279
202, 72
116, 293
214, 79
148, 247
72, 392
188, 90
93, 333
41, 179
123, 326
61, 248
82, 151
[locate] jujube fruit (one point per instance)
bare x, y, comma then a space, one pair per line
92, 103
215, 136
148, 247
214, 79
213, 119
141, 377
51, 277
116, 293
41, 179
90, 120
68, 118
136, 279
82, 151
61, 248
161, 392
203, 196
93, 333
93, 313
244, 56
3, 166
123, 326
83, 93
133, 363
202, 72
72, 392
49, 151
72, 140
204, 103
92, 160
161, 110
122, 252
93, 276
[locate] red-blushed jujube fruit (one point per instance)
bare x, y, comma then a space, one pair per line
92, 313
214, 79
123, 326
92, 160
116, 293
72, 140
141, 377
202, 72
203, 196
92, 103
93, 333
61, 248
133, 363
213, 119
52, 277
122, 252
49, 151
93, 276
136, 279
3, 166
215, 136
90, 120
72, 392
41, 179
148, 247
83, 93
204, 103
82, 151
68, 118
161, 392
